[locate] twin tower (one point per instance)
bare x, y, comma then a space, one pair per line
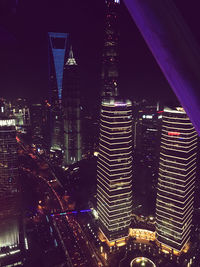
178, 146
176, 175
177, 162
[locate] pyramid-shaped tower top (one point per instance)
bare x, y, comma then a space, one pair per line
71, 60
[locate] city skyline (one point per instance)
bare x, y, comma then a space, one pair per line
99, 163
26, 56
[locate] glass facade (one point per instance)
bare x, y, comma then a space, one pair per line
114, 168
176, 181
71, 112
57, 47
110, 65
57, 51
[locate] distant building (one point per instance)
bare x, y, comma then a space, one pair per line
110, 64
71, 112
147, 134
147, 131
9, 186
57, 52
114, 169
176, 181
39, 122
4, 108
17, 109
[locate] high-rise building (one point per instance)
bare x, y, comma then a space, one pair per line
114, 169
9, 185
71, 111
39, 117
147, 135
57, 51
147, 131
110, 66
177, 173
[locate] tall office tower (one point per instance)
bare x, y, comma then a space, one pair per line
147, 135
110, 66
177, 172
114, 169
71, 112
9, 185
57, 51
147, 131
38, 122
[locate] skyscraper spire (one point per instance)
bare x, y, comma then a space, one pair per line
110, 64
71, 60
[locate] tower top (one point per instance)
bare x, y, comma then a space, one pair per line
71, 60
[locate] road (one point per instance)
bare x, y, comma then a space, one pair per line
78, 249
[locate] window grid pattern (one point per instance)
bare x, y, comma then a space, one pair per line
176, 181
114, 169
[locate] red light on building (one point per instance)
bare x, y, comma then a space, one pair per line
174, 133
161, 111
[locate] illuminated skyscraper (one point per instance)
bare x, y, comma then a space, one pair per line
110, 66
114, 169
71, 112
9, 185
177, 173
57, 51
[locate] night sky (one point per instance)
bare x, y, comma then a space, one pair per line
24, 50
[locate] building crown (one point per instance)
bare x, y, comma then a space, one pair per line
71, 60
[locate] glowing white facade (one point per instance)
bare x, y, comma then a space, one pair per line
9, 185
114, 168
177, 173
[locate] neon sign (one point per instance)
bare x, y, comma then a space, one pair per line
174, 133
120, 104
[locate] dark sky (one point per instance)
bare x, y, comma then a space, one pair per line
24, 55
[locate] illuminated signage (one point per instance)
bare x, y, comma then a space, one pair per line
120, 104
10, 122
174, 133
147, 116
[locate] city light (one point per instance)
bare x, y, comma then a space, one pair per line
10, 122
87, 176
174, 133
70, 212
